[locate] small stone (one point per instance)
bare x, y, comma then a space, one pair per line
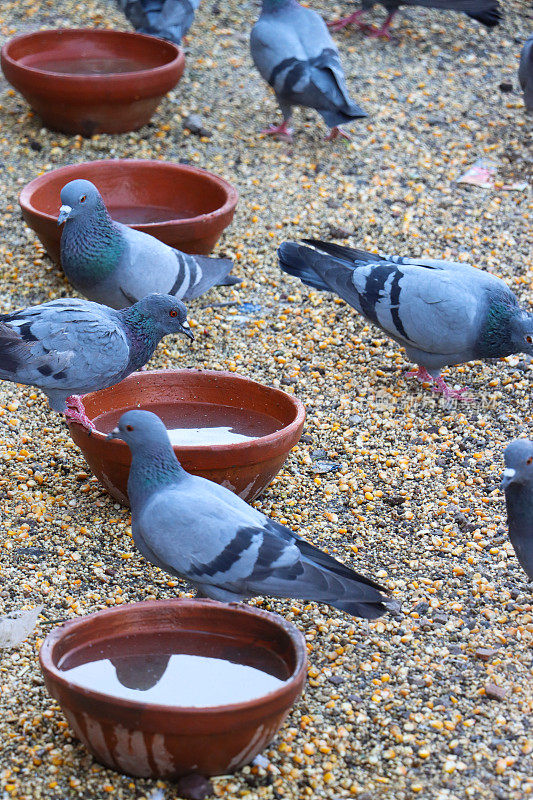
338, 233
194, 787
336, 680
194, 123
485, 653
495, 692
506, 87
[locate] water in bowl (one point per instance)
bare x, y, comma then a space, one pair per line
105, 65
202, 423
164, 675
141, 215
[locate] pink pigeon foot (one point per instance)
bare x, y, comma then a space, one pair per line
75, 412
380, 33
452, 394
421, 374
280, 131
353, 19
336, 131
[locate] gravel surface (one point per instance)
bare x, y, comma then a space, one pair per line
435, 702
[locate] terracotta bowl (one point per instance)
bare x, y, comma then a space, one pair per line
148, 740
91, 81
184, 206
245, 467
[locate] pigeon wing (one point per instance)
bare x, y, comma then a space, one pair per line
90, 333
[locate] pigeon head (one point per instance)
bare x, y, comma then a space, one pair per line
140, 428
522, 332
518, 463
78, 198
167, 312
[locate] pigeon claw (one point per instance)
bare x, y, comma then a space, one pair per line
352, 19
279, 131
451, 394
422, 375
75, 412
335, 132
376, 33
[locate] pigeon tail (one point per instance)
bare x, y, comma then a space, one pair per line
489, 17
292, 260
212, 272
348, 255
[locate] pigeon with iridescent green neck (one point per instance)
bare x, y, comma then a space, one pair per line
442, 312
70, 347
114, 264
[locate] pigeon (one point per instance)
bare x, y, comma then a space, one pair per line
525, 73
71, 346
294, 53
517, 482
485, 11
167, 19
442, 312
113, 264
202, 532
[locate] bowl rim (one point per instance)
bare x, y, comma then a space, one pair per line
265, 441
232, 196
90, 32
50, 670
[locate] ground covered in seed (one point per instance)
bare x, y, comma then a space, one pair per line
435, 702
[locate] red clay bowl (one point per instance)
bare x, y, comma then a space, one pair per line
89, 81
160, 741
245, 467
184, 206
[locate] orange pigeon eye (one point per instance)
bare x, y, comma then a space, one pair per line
529, 339
129, 427
530, 460
173, 313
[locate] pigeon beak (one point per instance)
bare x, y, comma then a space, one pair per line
64, 213
507, 477
115, 434
186, 328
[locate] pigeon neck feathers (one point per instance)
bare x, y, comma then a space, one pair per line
91, 247
143, 332
496, 336
154, 466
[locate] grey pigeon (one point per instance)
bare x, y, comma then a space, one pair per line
71, 346
442, 312
197, 530
517, 482
116, 265
294, 53
525, 73
166, 19
485, 11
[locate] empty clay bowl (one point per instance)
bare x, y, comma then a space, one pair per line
184, 206
145, 739
197, 399
91, 81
